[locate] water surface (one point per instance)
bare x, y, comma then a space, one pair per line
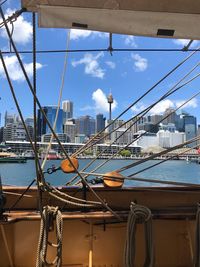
174, 170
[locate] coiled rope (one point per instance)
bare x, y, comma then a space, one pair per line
50, 214
138, 214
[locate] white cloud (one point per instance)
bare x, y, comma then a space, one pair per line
138, 107
130, 41
14, 69
77, 34
101, 102
184, 42
111, 64
87, 107
22, 29
140, 63
191, 104
91, 63
161, 107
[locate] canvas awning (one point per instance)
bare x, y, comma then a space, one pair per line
157, 18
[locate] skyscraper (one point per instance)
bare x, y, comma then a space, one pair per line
198, 133
67, 107
11, 118
50, 112
190, 125
85, 125
100, 122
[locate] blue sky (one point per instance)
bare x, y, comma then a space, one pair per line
91, 76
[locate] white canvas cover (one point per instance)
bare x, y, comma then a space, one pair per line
157, 18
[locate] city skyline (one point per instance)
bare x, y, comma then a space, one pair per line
90, 77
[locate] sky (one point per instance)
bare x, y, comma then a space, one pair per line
90, 77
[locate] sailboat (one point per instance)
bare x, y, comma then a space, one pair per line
107, 225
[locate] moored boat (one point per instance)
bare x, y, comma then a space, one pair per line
6, 157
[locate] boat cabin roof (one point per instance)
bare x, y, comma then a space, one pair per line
157, 18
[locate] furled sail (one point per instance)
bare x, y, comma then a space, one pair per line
157, 18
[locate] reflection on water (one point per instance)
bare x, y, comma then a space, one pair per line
174, 170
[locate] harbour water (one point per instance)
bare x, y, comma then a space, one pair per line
173, 170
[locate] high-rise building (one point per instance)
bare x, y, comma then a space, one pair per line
14, 132
50, 112
70, 130
11, 118
67, 107
29, 122
172, 116
100, 122
190, 125
198, 133
85, 125
1, 134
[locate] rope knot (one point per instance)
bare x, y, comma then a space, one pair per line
141, 213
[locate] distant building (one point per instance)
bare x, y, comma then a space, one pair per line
168, 127
67, 107
198, 134
14, 132
149, 123
80, 138
172, 116
169, 139
190, 126
154, 119
85, 125
100, 122
50, 112
1, 134
162, 138
11, 118
121, 136
148, 127
132, 125
29, 122
70, 130
62, 137
146, 140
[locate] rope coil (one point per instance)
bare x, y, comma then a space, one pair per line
139, 214
50, 214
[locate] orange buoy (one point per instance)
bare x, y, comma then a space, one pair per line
112, 182
67, 167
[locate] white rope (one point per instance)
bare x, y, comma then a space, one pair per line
49, 215
139, 214
59, 101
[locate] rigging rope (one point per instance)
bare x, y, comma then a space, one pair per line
41, 182
59, 100
48, 216
134, 140
102, 50
139, 214
164, 160
38, 168
141, 97
158, 154
136, 118
195, 139
105, 205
